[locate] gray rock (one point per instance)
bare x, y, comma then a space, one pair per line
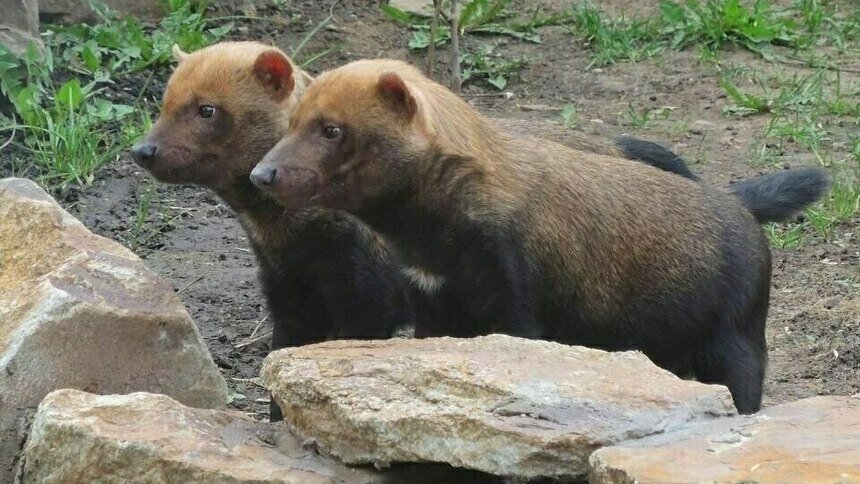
811, 440
20, 24
142, 437
415, 7
498, 404
81, 311
76, 11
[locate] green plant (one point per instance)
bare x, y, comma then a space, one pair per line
488, 17
296, 52
715, 23
614, 41
784, 236
815, 93
119, 45
489, 66
842, 204
568, 115
71, 129
66, 129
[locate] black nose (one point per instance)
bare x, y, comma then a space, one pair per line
264, 176
144, 153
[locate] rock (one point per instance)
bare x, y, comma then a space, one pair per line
76, 11
415, 7
20, 24
142, 437
498, 404
816, 439
80, 311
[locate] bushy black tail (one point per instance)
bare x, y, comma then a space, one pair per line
776, 197
654, 155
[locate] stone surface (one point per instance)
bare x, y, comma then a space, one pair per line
415, 7
502, 405
811, 440
142, 437
80, 311
20, 24
76, 11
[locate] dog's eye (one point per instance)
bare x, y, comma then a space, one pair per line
332, 132
207, 111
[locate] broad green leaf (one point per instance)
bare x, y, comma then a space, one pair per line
498, 81
70, 95
568, 115
420, 40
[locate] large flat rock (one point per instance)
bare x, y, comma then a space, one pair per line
811, 440
141, 437
498, 404
81, 311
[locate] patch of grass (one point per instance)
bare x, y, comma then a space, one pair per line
842, 204
487, 17
70, 129
784, 236
822, 220
119, 44
488, 65
137, 235
711, 25
716, 23
817, 93
152, 219
614, 41
297, 53
569, 115
67, 129
636, 119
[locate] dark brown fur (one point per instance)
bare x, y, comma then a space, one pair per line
543, 241
325, 275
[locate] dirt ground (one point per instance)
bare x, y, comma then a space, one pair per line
814, 324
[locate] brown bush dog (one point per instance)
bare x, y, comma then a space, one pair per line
325, 275
541, 240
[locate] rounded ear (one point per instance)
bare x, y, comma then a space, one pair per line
393, 89
275, 73
178, 53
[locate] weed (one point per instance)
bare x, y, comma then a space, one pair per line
841, 205
486, 64
799, 93
716, 23
569, 115
615, 41
784, 237
119, 45
70, 130
296, 52
65, 129
631, 117
137, 235
488, 17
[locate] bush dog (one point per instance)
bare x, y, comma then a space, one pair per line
542, 241
325, 275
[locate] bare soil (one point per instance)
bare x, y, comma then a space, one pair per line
814, 324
